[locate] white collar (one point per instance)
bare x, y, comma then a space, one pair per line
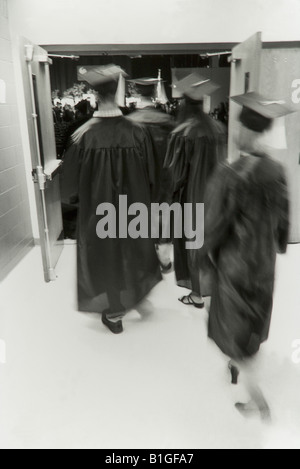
108, 113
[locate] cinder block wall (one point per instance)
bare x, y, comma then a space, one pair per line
15, 224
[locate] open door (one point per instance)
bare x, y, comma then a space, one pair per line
280, 79
245, 77
45, 166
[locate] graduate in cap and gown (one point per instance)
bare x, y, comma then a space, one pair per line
160, 125
246, 224
114, 157
196, 147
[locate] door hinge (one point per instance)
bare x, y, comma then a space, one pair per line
30, 56
39, 177
29, 52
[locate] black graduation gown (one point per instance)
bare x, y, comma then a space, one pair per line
68, 184
159, 126
113, 157
192, 157
246, 223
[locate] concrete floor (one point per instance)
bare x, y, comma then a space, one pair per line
69, 383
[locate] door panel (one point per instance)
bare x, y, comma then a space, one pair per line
245, 76
280, 74
37, 90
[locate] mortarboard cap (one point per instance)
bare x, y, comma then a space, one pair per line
268, 108
258, 111
195, 87
101, 74
145, 81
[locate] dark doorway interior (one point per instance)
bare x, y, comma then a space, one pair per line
64, 71
142, 60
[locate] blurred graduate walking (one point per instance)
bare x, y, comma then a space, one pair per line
246, 223
196, 147
114, 157
160, 125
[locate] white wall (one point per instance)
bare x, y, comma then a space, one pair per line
158, 21
25, 138
15, 224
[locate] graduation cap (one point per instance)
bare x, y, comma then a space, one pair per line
100, 75
195, 87
269, 108
145, 81
259, 112
145, 86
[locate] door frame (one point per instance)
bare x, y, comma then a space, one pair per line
42, 180
154, 49
106, 49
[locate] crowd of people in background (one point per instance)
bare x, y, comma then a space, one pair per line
72, 110
67, 119
221, 113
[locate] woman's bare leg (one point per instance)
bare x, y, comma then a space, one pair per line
249, 377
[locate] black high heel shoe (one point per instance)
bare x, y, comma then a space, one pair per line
187, 300
235, 373
114, 327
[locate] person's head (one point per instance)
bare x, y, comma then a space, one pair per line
83, 108
146, 91
253, 125
192, 111
189, 109
257, 122
193, 89
107, 91
104, 79
145, 88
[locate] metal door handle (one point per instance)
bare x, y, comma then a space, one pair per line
41, 175
52, 169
